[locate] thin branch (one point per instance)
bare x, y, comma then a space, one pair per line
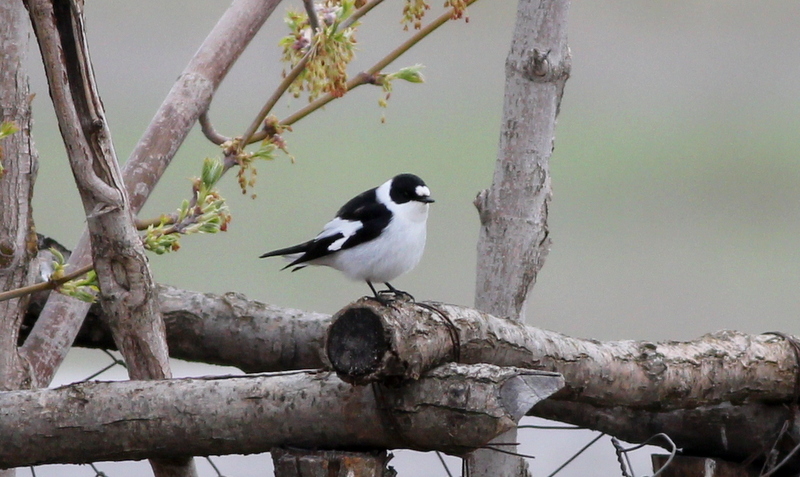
368, 76
43, 286
287, 81
208, 130
166, 219
250, 135
313, 19
359, 13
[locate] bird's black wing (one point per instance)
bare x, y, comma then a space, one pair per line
358, 221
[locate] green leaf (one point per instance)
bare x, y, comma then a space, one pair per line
412, 74
8, 128
212, 171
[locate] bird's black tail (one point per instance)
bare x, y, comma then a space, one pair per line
302, 248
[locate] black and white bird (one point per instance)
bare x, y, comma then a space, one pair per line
376, 236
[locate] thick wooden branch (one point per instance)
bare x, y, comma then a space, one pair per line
227, 330
514, 238
452, 409
126, 284
53, 335
18, 167
736, 433
623, 388
726, 394
408, 338
127, 289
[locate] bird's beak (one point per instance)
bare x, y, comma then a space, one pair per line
427, 200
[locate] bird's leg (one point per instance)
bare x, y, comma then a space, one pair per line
373, 289
379, 296
397, 292
383, 297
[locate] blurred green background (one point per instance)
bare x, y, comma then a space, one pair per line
676, 171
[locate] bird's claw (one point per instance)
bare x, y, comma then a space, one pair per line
387, 297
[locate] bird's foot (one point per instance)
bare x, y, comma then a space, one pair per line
392, 294
398, 295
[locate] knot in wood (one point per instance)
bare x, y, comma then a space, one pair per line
544, 66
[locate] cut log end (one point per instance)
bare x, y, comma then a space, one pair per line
356, 343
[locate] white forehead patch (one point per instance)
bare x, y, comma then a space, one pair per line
422, 191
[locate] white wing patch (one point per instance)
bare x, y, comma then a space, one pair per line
347, 228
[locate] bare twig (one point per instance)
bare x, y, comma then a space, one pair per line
208, 130
368, 76
43, 286
47, 345
360, 13
313, 19
163, 219
287, 81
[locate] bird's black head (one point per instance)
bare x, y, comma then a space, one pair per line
408, 187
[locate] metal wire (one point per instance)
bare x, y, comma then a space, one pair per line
503, 451
575, 456
441, 459
622, 453
97, 473
219, 474
783, 462
115, 362
556, 428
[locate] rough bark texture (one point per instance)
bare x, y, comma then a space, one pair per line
124, 276
726, 368
127, 294
53, 335
453, 409
231, 330
227, 330
19, 162
18, 167
293, 463
514, 239
410, 338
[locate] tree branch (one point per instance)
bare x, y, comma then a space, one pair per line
630, 389
514, 238
18, 168
453, 409
368, 76
406, 339
127, 294
44, 286
50, 340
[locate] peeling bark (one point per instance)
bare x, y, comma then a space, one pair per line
732, 391
18, 168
